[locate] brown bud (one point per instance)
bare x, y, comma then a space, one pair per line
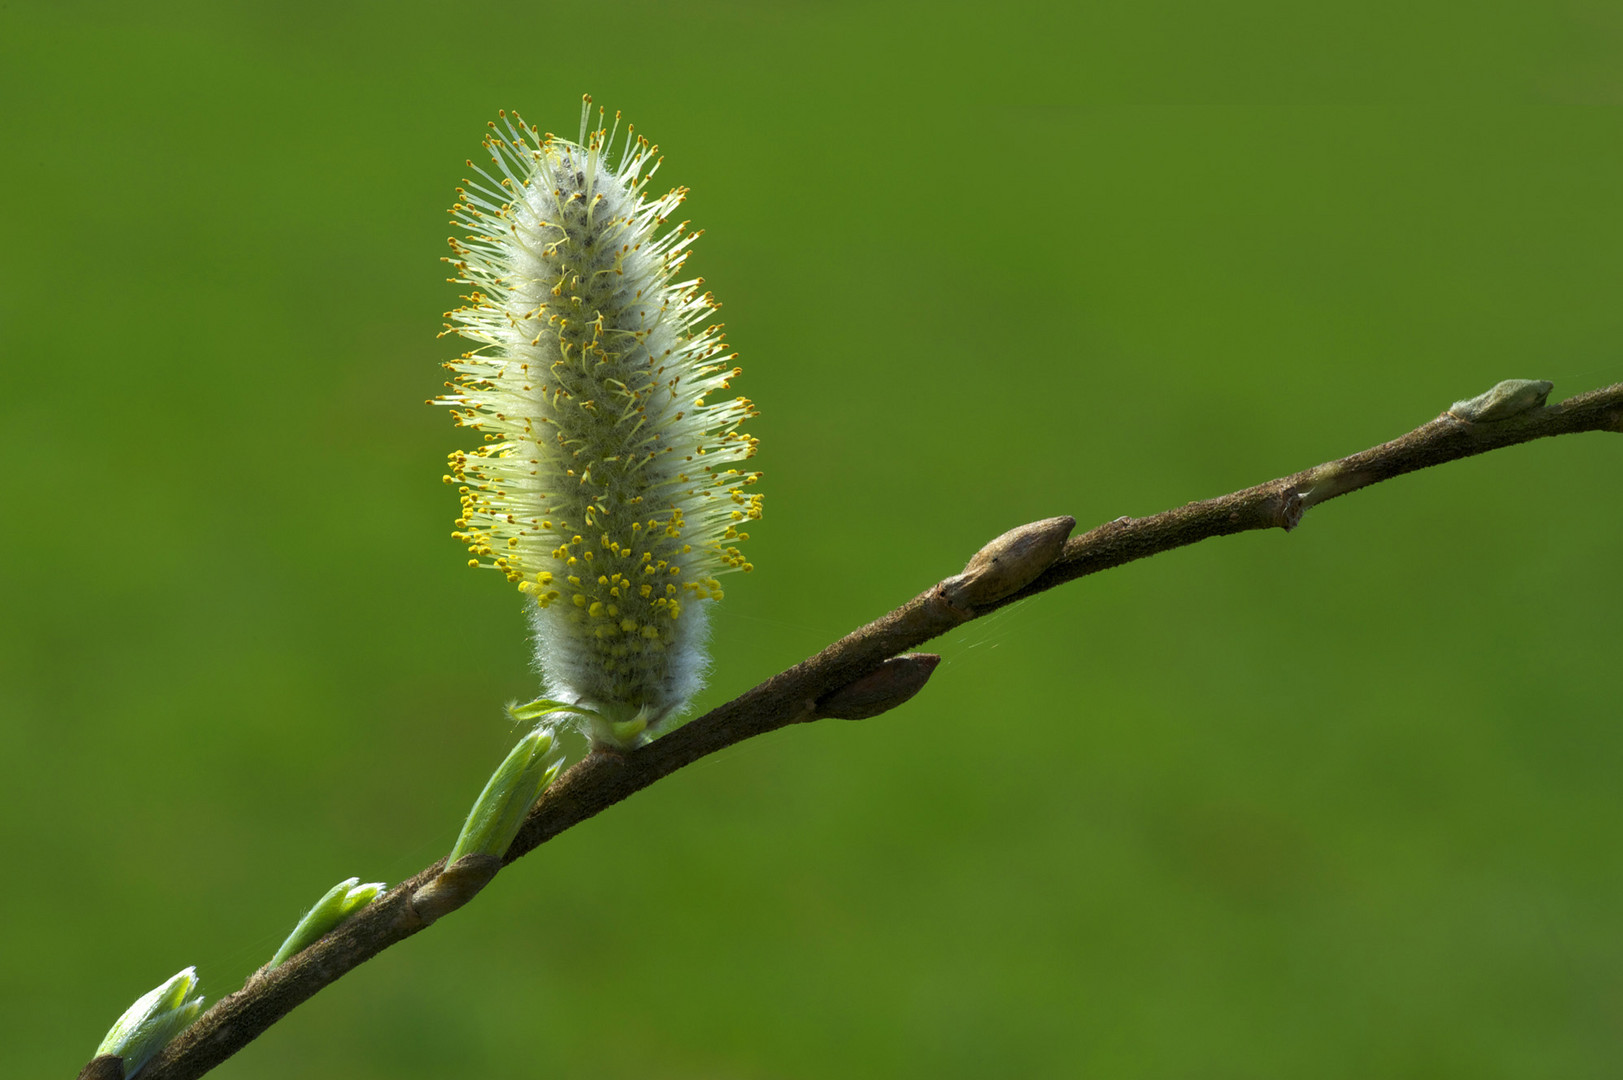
882, 689
456, 885
103, 1067
1009, 563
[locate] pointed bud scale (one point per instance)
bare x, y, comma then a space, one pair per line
340, 902
606, 486
1512, 397
893, 683
1008, 563
153, 1021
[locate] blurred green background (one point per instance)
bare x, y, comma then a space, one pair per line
1343, 803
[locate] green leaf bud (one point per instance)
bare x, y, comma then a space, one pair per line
508, 795
153, 1021
340, 902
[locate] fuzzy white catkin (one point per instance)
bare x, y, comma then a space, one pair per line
605, 488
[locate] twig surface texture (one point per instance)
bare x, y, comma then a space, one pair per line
860, 675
